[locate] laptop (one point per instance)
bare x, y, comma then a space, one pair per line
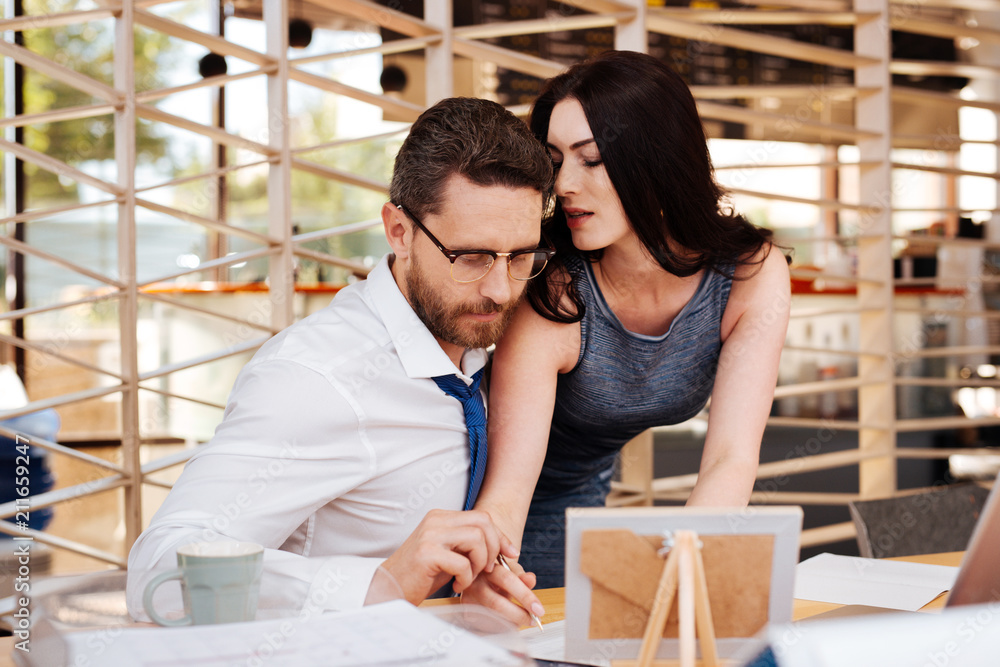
978, 578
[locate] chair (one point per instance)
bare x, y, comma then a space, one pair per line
933, 521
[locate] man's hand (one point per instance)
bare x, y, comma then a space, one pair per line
447, 544
495, 590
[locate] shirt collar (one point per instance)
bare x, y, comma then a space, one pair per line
418, 350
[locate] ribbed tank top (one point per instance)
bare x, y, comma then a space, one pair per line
625, 382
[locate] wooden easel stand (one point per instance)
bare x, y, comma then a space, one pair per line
683, 575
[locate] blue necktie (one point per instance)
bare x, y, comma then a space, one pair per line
475, 421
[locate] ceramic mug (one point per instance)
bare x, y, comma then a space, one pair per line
220, 583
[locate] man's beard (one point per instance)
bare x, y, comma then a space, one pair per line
445, 320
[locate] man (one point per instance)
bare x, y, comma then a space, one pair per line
339, 451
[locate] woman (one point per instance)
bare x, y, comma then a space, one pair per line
660, 299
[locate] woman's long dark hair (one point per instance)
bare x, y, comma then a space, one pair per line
647, 129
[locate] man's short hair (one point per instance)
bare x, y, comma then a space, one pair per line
475, 138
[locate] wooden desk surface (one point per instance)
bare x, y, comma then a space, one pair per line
554, 601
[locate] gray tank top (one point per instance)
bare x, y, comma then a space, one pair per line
624, 382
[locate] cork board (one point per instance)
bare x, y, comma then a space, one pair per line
624, 569
612, 571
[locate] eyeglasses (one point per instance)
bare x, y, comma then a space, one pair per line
468, 266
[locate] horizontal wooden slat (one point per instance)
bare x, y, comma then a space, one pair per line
772, 17
818, 387
229, 351
831, 204
162, 484
922, 26
63, 450
21, 313
39, 213
939, 139
934, 68
947, 312
945, 452
55, 20
35, 251
518, 62
800, 272
188, 306
399, 108
950, 351
180, 397
813, 463
62, 543
49, 350
810, 422
600, 6
811, 91
836, 532
658, 21
381, 15
209, 82
206, 222
54, 497
385, 48
58, 115
749, 166
675, 483
811, 5
340, 230
340, 175
54, 70
168, 461
214, 133
213, 43
537, 26
348, 141
937, 423
216, 263
937, 100
944, 170
782, 123
985, 5
206, 174
821, 312
930, 240
58, 167
62, 399
357, 268
947, 382
943, 209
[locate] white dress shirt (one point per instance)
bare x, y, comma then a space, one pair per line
333, 446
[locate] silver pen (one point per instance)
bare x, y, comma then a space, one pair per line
534, 619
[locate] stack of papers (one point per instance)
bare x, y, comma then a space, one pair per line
393, 633
870, 581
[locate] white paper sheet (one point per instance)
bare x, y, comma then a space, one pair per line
394, 633
551, 644
871, 581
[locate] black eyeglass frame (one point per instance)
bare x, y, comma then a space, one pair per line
453, 255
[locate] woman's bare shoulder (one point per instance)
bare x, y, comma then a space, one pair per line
532, 334
768, 264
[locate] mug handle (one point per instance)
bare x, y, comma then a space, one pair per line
147, 599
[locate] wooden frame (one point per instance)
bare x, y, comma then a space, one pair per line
782, 524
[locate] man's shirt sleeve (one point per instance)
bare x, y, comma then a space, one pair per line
289, 443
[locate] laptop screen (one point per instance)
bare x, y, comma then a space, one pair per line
978, 579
